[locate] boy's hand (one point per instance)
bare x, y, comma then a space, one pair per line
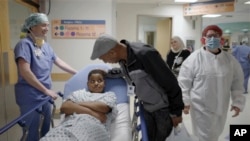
101, 116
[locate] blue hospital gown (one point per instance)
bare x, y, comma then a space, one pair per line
84, 127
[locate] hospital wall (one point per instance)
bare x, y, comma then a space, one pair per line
181, 26
121, 21
76, 52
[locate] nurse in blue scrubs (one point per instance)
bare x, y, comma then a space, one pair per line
242, 54
34, 59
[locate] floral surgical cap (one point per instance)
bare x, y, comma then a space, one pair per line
34, 19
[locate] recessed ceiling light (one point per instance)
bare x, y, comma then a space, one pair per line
211, 16
247, 2
186, 1
245, 30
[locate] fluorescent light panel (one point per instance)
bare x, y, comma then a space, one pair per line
187, 1
211, 16
248, 2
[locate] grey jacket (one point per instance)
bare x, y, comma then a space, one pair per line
155, 84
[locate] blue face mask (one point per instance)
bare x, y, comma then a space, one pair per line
212, 43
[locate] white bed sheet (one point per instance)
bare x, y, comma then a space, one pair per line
121, 127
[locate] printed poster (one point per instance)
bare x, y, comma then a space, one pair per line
77, 29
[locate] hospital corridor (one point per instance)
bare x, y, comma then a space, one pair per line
243, 118
151, 56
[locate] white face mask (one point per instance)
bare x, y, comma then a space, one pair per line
39, 41
212, 43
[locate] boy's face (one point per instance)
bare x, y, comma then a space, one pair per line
96, 83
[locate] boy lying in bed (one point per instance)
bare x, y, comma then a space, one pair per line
88, 113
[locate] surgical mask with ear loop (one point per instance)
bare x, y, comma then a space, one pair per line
212, 43
39, 41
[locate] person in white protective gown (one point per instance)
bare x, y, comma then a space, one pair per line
88, 113
208, 78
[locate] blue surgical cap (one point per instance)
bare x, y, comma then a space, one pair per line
34, 19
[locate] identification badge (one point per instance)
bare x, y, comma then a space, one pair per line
131, 90
38, 52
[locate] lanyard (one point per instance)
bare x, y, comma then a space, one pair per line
176, 59
125, 72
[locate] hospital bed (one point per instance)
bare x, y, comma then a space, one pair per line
122, 128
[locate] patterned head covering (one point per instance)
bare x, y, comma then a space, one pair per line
34, 19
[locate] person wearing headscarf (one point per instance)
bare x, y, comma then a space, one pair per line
209, 77
34, 59
176, 55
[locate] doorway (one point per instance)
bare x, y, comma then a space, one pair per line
155, 31
12, 15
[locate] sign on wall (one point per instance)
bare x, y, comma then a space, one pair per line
77, 29
210, 7
190, 45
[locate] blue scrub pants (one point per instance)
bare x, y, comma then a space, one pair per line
246, 78
33, 120
159, 124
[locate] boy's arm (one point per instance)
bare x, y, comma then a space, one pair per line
96, 106
104, 105
69, 107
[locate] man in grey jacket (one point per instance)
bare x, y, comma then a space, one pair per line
155, 85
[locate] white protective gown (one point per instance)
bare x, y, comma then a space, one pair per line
207, 82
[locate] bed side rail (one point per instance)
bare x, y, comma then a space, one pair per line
19, 120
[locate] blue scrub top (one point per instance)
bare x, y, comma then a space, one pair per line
40, 65
241, 53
